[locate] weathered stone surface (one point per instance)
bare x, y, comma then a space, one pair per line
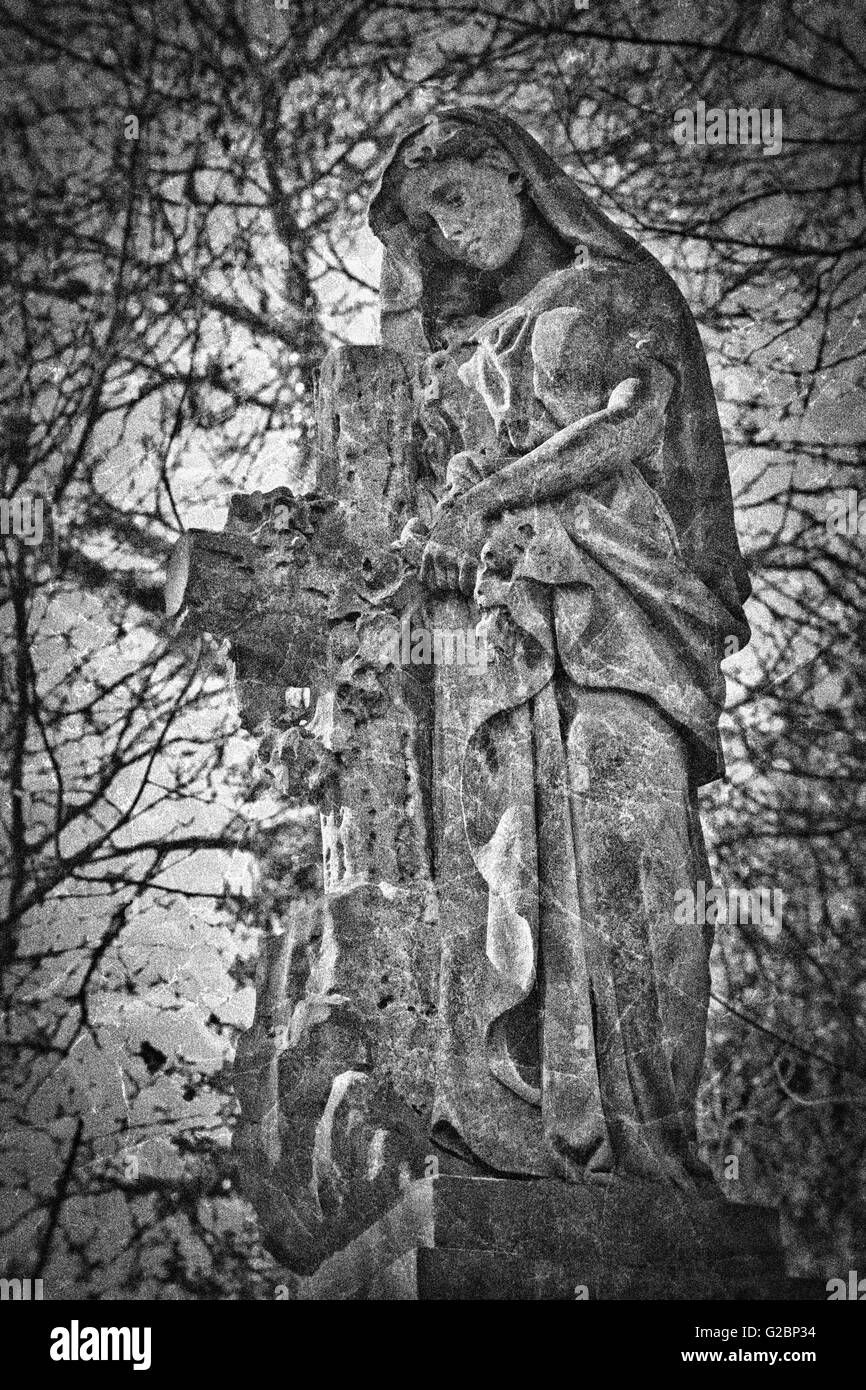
381, 1263
264, 584
457, 1276
456, 1238
286, 569
597, 1222
334, 1078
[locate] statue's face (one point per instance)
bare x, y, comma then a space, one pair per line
477, 212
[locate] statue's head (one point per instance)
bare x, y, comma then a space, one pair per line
460, 199
460, 188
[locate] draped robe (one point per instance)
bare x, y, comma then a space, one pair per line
573, 1005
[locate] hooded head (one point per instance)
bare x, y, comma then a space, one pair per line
438, 263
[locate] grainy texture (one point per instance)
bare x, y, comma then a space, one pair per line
495, 974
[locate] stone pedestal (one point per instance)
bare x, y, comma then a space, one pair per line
460, 1238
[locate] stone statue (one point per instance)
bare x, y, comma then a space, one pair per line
473, 1066
579, 508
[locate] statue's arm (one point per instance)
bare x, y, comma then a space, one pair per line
582, 453
577, 456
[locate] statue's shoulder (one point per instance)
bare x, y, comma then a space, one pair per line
638, 280
600, 301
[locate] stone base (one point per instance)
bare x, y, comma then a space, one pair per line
459, 1238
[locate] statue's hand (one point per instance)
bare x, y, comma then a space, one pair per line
450, 559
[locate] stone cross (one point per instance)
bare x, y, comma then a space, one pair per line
334, 1077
